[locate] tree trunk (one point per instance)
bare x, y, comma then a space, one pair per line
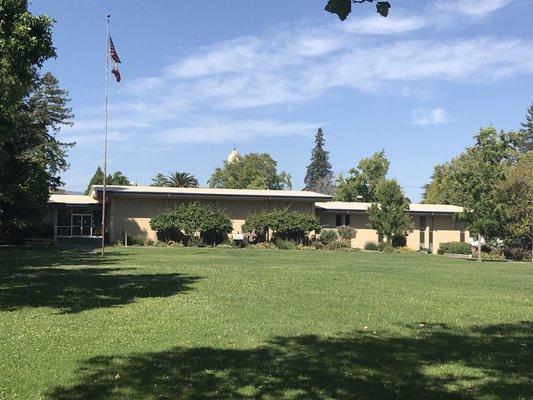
479, 237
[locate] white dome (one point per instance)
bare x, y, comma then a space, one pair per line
233, 155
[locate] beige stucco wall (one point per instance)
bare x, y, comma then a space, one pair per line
444, 230
133, 214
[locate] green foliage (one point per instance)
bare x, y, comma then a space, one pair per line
371, 246
399, 241
492, 257
328, 235
525, 143
190, 219
346, 232
404, 250
285, 223
283, 244
338, 245
319, 176
385, 247
251, 171
389, 215
343, 8
361, 183
455, 248
175, 179
117, 178
515, 192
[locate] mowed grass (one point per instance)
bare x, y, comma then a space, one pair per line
164, 323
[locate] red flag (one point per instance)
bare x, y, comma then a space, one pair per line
113, 52
116, 72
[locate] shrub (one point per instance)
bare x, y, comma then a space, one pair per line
283, 244
328, 236
346, 232
371, 246
286, 224
492, 257
399, 241
517, 253
263, 245
338, 245
183, 223
385, 247
318, 245
405, 250
454, 248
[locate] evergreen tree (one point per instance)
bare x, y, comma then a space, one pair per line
526, 133
117, 178
319, 170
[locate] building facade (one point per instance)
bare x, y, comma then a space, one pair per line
129, 210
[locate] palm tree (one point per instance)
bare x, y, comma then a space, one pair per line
177, 179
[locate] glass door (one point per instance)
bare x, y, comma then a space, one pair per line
82, 224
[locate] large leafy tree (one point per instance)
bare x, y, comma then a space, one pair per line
388, 215
516, 194
117, 178
251, 171
526, 133
25, 44
175, 179
362, 181
319, 170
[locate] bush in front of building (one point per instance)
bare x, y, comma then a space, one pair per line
346, 232
192, 224
339, 244
283, 244
371, 246
454, 248
328, 236
399, 241
284, 223
385, 247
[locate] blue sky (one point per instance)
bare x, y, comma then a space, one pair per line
202, 76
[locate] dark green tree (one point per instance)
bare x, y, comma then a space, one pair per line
389, 214
251, 171
319, 170
117, 178
362, 181
526, 133
25, 44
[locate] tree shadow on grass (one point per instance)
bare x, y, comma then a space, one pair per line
430, 363
72, 280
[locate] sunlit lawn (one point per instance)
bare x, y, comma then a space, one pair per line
161, 323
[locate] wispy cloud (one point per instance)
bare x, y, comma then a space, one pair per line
473, 8
233, 89
429, 116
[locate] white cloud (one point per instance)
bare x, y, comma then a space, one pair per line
393, 24
429, 116
214, 131
472, 8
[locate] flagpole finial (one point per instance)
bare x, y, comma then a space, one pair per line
108, 15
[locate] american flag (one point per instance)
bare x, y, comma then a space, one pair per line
113, 52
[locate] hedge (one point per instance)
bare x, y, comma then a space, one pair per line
454, 248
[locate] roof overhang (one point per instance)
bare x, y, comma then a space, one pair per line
416, 209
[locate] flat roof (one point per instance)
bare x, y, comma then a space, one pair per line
75, 199
209, 192
416, 208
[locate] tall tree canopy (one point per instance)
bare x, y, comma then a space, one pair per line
388, 215
116, 178
515, 192
319, 170
251, 171
175, 179
343, 8
526, 133
361, 183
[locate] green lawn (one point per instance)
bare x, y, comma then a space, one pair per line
161, 323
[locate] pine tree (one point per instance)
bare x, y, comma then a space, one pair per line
527, 131
97, 179
319, 169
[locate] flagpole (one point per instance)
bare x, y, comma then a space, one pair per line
105, 136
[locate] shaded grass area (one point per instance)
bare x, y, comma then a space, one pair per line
215, 324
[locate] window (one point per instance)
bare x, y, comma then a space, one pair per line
338, 219
347, 220
422, 228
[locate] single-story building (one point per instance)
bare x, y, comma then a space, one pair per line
130, 208
433, 223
